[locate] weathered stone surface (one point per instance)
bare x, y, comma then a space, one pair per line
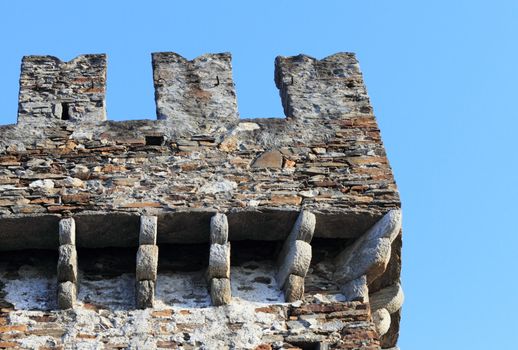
370, 254
67, 263
390, 298
194, 161
294, 288
356, 290
148, 230
67, 294
219, 261
270, 159
196, 96
381, 318
145, 294
220, 292
304, 227
67, 231
219, 229
147, 262
52, 90
296, 262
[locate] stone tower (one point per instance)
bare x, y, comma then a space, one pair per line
198, 230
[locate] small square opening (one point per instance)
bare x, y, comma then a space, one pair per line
155, 140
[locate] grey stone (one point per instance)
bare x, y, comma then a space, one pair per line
381, 319
296, 262
303, 230
148, 230
145, 294
147, 262
369, 254
293, 288
196, 96
219, 261
67, 263
219, 229
73, 91
304, 227
67, 231
67, 294
356, 290
390, 298
220, 292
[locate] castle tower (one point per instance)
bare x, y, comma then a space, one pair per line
198, 229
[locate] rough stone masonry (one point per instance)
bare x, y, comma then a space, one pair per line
197, 230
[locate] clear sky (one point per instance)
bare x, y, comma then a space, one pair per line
442, 76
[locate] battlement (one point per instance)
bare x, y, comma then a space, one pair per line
311, 196
193, 96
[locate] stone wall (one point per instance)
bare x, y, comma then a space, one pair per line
63, 160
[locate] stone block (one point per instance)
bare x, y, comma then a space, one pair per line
369, 254
304, 227
356, 290
67, 294
293, 288
148, 230
220, 292
381, 319
147, 262
67, 231
67, 263
390, 298
270, 159
145, 294
296, 262
302, 230
219, 261
219, 229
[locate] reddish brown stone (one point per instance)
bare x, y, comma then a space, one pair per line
271, 159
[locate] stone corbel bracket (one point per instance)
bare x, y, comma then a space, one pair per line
218, 272
295, 257
147, 262
366, 260
67, 264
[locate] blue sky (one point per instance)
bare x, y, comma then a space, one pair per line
442, 76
